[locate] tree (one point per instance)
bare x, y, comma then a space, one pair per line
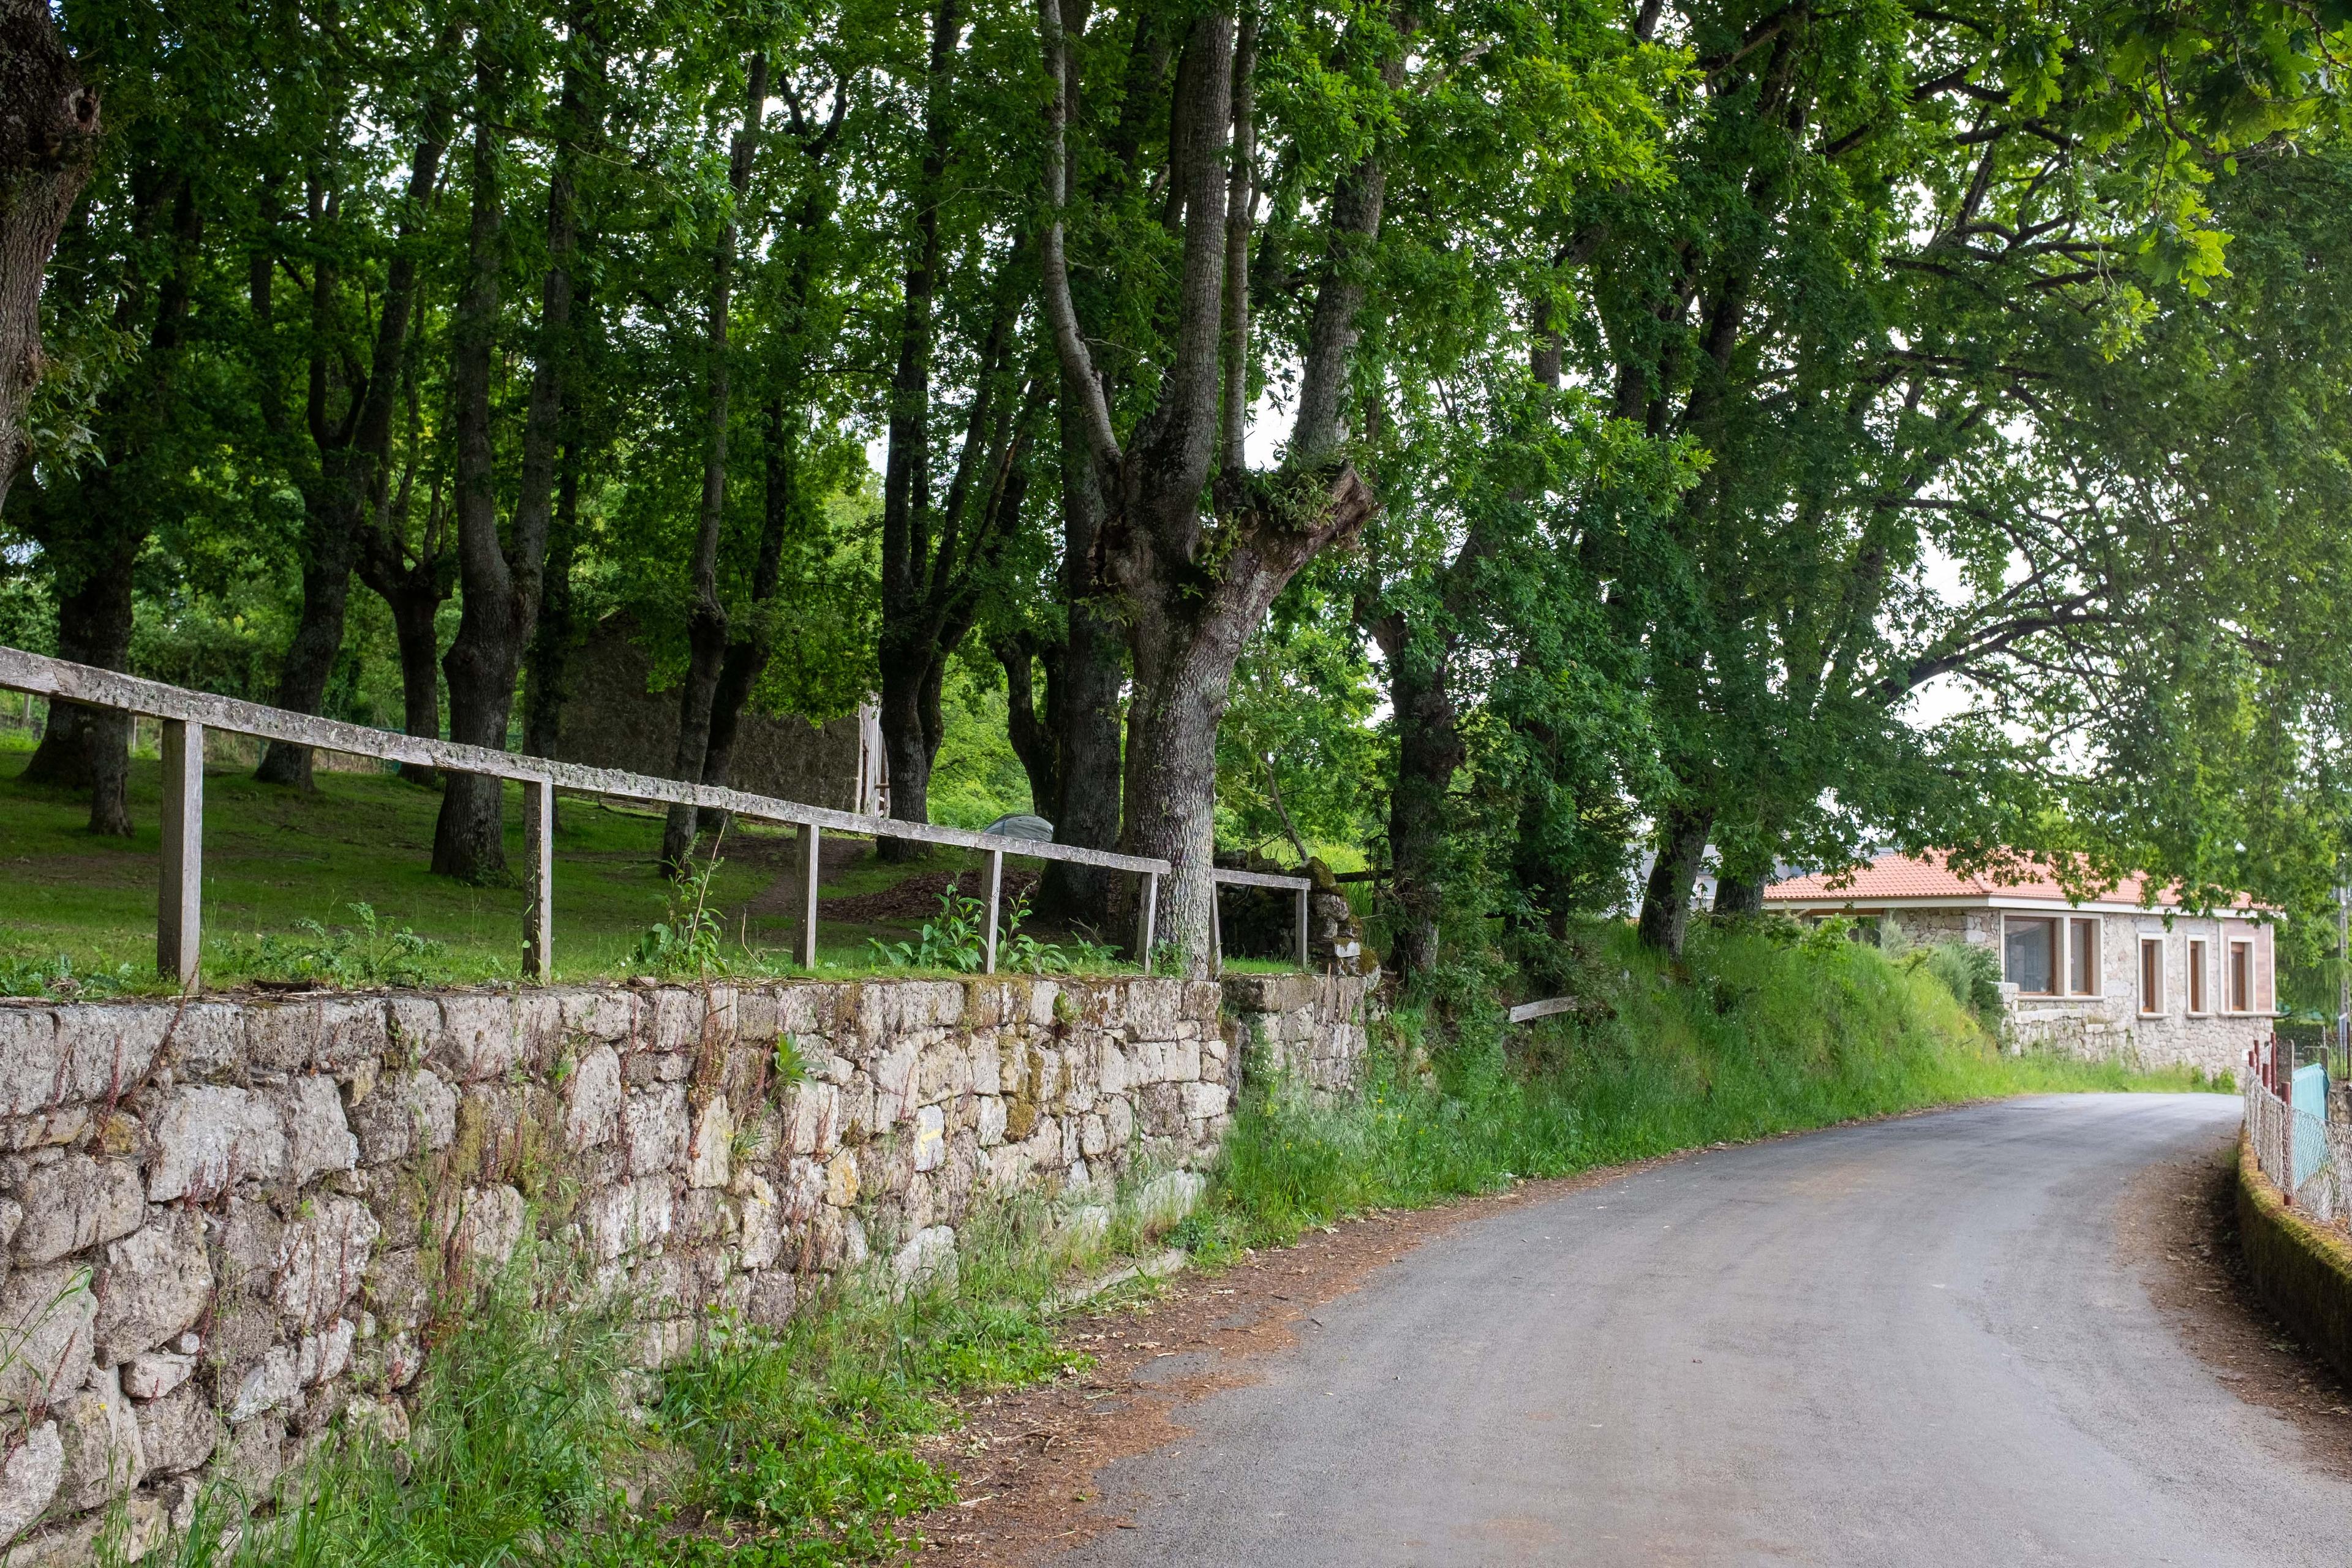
48, 145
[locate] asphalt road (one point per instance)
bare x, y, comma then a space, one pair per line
1916, 1341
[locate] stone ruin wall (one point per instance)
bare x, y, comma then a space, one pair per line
226, 1223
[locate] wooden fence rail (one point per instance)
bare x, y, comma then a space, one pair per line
185, 715
1299, 887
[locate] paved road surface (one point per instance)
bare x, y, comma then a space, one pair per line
1914, 1343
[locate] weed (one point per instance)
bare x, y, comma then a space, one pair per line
958, 940
368, 952
56, 980
687, 940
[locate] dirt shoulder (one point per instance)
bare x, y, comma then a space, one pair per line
2180, 1221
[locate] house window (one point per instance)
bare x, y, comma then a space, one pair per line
2151, 975
2197, 1003
2030, 955
2241, 977
2082, 957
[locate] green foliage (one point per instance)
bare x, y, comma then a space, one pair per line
957, 941
1971, 973
369, 953
688, 941
55, 979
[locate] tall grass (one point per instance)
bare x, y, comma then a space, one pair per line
1757, 1031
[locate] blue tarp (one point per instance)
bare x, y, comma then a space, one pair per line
2310, 1123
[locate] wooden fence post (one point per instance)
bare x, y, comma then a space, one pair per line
1150, 914
539, 848
808, 859
1304, 893
179, 915
995, 891
1216, 931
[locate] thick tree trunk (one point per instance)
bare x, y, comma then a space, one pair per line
1666, 902
48, 142
548, 686
329, 551
905, 750
501, 580
1085, 701
355, 470
705, 624
90, 748
1031, 732
415, 615
1738, 895
1428, 752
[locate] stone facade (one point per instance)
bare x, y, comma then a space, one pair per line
2112, 1022
227, 1224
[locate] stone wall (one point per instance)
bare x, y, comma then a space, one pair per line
227, 1224
1308, 1027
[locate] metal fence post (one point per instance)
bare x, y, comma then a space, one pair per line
538, 846
178, 914
1150, 914
996, 888
808, 858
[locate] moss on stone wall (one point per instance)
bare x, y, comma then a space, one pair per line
2303, 1272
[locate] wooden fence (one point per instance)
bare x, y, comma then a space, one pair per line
185, 715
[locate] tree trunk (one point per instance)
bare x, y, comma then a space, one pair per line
1084, 704
1666, 902
354, 467
90, 747
48, 142
1738, 895
329, 551
1428, 752
547, 685
415, 615
1030, 732
706, 623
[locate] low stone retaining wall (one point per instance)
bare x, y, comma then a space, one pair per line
228, 1223
2303, 1270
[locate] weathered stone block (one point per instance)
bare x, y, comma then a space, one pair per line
772, 1296
410, 1112
931, 1148
103, 1456
710, 1152
46, 1316
929, 1260
210, 1138
592, 1098
208, 1038
631, 1217
673, 1016
317, 1137
78, 1202
156, 1374
30, 1479
479, 1036
177, 1432
655, 1129
272, 1382
603, 1013
813, 1118
326, 1355
322, 1259
52, 1057
157, 1283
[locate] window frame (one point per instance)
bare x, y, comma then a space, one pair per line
2199, 982
2049, 925
2091, 986
2239, 999
2151, 978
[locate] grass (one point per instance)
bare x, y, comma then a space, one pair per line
321, 886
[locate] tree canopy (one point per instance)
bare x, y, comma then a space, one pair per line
1532, 452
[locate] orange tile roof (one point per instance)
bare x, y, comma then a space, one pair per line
1929, 876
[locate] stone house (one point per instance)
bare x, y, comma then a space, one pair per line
2126, 974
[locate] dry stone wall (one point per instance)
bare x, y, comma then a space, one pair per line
229, 1224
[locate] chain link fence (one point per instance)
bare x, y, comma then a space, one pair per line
2299, 1121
